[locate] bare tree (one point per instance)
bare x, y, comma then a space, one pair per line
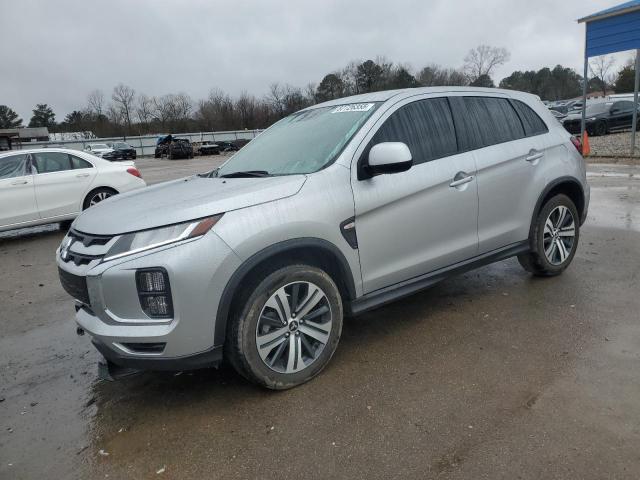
144, 110
123, 97
114, 115
276, 98
246, 106
434, 75
483, 60
600, 68
162, 108
349, 76
310, 93
95, 102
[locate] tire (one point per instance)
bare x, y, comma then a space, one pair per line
600, 129
554, 238
97, 195
157, 155
259, 314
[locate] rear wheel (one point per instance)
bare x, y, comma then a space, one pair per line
554, 238
288, 328
96, 196
600, 128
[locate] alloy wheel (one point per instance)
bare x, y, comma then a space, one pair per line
559, 235
98, 197
294, 326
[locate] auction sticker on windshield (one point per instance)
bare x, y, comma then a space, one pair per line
353, 107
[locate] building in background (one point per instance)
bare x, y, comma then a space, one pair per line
16, 138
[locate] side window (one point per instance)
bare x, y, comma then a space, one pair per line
491, 120
533, 124
13, 166
426, 126
623, 106
48, 162
77, 163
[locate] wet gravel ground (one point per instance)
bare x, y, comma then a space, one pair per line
492, 374
615, 145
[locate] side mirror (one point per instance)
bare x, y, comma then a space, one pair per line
389, 157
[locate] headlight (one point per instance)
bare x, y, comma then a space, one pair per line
136, 242
591, 119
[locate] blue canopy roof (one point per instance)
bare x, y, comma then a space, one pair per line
609, 12
615, 29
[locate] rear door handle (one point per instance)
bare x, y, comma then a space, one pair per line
19, 182
534, 155
82, 175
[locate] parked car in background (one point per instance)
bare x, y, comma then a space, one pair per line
558, 115
334, 210
121, 151
98, 149
56, 184
173, 147
227, 146
206, 147
601, 118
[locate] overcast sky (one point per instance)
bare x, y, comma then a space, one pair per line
56, 52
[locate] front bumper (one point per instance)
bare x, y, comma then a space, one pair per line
198, 271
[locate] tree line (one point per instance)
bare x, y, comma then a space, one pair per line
127, 112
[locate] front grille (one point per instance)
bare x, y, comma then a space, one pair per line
75, 286
91, 251
88, 240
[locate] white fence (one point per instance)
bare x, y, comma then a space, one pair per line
145, 145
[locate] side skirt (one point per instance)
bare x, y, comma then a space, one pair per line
408, 287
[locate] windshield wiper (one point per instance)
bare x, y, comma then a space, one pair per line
246, 174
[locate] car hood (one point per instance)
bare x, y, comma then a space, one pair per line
181, 201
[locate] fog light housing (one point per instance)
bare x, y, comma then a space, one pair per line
154, 292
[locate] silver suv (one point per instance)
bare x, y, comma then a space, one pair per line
334, 210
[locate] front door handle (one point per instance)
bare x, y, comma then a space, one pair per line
534, 155
19, 182
82, 175
460, 179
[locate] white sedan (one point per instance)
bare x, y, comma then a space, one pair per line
98, 149
56, 184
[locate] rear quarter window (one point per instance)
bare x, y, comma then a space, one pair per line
532, 123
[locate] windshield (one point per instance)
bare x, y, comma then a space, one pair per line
99, 146
597, 109
304, 142
120, 145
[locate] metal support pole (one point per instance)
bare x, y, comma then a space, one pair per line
585, 81
634, 124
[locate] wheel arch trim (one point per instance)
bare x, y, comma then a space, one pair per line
272, 251
552, 185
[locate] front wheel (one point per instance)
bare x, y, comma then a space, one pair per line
288, 328
554, 238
